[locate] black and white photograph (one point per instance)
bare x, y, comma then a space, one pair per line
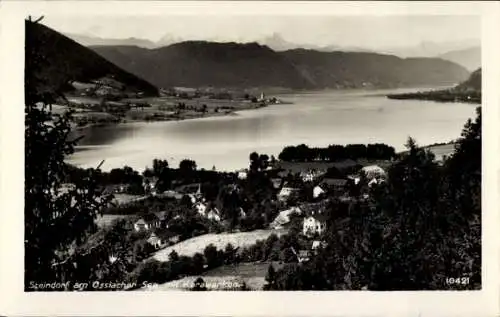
253, 152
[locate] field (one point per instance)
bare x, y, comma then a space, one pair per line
197, 244
224, 278
442, 150
106, 220
156, 109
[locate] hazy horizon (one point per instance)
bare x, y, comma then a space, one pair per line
372, 32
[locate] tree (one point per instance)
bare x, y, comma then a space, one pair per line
187, 166
270, 278
211, 256
198, 263
159, 166
229, 254
173, 256
56, 220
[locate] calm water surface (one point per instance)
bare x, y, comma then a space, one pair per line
315, 118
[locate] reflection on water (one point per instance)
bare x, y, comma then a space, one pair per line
106, 134
316, 119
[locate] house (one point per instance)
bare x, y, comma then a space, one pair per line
155, 241
147, 222
373, 171
242, 174
314, 224
243, 214
213, 214
302, 255
112, 258
285, 193
316, 244
318, 191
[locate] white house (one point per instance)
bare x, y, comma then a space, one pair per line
155, 241
242, 174
317, 245
314, 224
213, 214
147, 222
243, 214
318, 191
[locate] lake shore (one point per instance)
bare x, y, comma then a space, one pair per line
449, 95
164, 109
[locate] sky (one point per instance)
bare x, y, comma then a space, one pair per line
366, 31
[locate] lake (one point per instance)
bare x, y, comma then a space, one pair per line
314, 118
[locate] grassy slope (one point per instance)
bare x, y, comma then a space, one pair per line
197, 244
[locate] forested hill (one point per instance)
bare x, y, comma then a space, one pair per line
64, 60
473, 82
198, 64
204, 64
359, 69
467, 91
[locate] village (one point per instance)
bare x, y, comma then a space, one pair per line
187, 218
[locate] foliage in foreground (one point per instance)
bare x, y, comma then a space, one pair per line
57, 220
420, 228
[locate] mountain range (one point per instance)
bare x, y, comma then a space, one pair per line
62, 60
200, 63
233, 65
277, 43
